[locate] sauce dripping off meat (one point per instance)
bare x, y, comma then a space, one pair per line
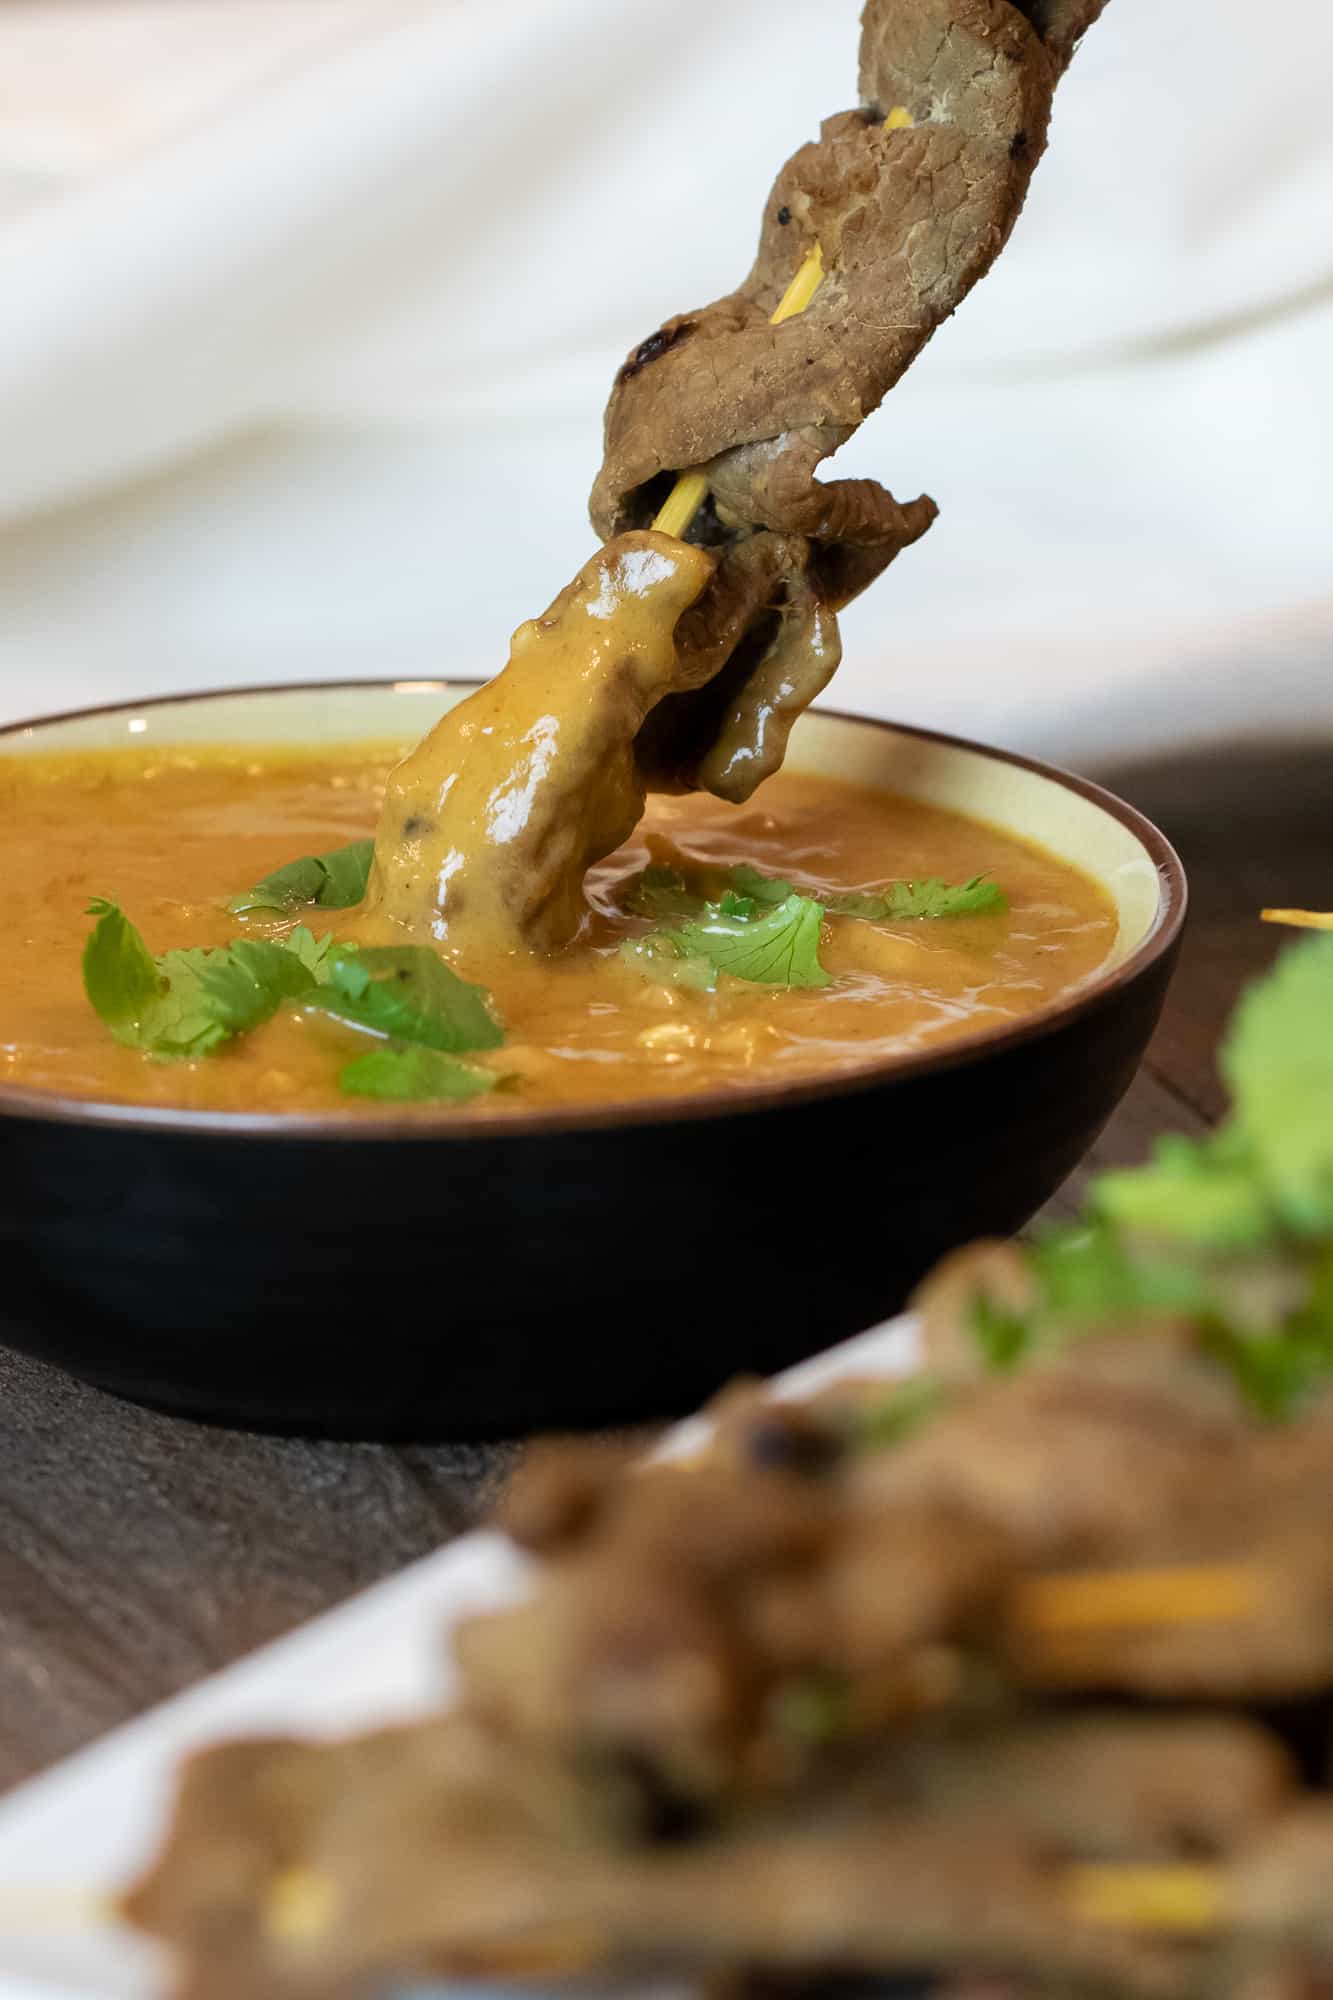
490, 825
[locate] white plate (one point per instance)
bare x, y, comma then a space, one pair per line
90, 1823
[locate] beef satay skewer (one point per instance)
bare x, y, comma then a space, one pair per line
690, 491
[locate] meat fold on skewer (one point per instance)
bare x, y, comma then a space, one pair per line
674, 666
901, 205
302, 1872
800, 1703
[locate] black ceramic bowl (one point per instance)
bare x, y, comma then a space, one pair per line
377, 1278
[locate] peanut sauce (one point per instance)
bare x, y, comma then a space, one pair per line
173, 835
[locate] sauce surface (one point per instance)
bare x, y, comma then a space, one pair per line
171, 836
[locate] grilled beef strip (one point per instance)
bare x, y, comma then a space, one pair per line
907, 220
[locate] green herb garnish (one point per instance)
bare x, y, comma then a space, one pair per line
334, 881
662, 892
665, 892
1004, 1337
407, 993
412, 1074
894, 1417
780, 948
813, 1710
1278, 1060
1207, 1193
929, 898
187, 1003
747, 881
664, 960
1229, 1231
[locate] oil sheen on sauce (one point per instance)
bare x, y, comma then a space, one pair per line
171, 836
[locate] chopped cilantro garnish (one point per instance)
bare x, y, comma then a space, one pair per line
1090, 1270
1205, 1192
412, 1074
890, 1419
664, 960
780, 948
930, 898
1276, 1372
120, 974
187, 1003
748, 881
979, 897
314, 952
1226, 1230
813, 1710
1004, 1337
663, 892
406, 992
332, 881
1278, 1060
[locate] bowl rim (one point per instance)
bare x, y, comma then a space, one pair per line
705, 1106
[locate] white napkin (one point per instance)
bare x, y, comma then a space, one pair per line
309, 312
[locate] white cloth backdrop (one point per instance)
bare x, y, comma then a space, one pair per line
308, 309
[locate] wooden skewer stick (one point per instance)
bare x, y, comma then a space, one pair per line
1301, 920
1092, 1600
1182, 1900
681, 505
690, 491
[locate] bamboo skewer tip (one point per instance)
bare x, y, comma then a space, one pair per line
1301, 920
690, 491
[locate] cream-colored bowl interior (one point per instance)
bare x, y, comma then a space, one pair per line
981, 783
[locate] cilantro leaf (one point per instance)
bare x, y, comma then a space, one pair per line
1207, 1193
187, 1003
780, 948
748, 881
813, 1709
666, 892
662, 892
120, 975
1278, 1060
334, 881
927, 898
407, 992
890, 1419
664, 960
1089, 1271
1276, 1372
313, 952
1005, 1337
413, 1074
247, 982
